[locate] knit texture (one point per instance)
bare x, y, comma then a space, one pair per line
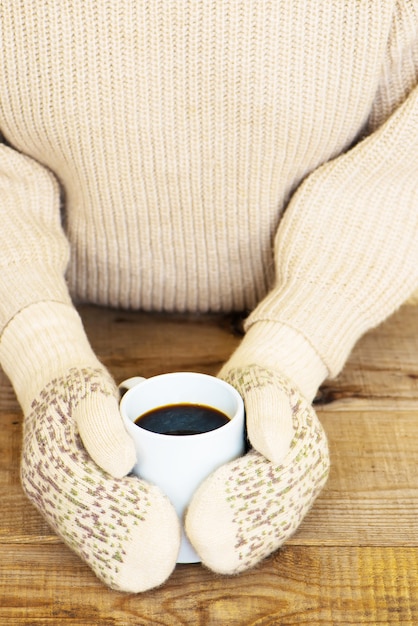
249, 507
43, 342
173, 135
127, 531
279, 348
207, 156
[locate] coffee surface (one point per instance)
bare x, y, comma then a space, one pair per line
182, 419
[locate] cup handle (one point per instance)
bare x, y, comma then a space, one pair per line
127, 384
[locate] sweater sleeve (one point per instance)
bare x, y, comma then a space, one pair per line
33, 248
41, 333
346, 250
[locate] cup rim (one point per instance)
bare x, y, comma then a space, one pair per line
165, 436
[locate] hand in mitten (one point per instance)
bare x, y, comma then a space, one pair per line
248, 508
125, 529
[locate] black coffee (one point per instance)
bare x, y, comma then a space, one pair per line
182, 419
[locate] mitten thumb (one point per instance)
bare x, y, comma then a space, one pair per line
268, 411
46, 341
104, 435
268, 358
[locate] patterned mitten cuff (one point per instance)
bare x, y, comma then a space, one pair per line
277, 347
249, 507
43, 343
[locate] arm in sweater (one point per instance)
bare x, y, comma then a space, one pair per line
34, 251
34, 254
41, 334
346, 257
346, 249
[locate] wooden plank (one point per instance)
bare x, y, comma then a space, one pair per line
353, 561
299, 585
371, 497
132, 343
382, 371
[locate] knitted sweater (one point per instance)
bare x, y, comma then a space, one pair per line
212, 156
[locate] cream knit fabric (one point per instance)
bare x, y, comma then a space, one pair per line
174, 134
126, 530
209, 156
248, 508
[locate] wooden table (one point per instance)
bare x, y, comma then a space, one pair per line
353, 561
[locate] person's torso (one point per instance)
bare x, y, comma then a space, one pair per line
179, 130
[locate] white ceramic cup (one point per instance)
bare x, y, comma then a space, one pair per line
178, 464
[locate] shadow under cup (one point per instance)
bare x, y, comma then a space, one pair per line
178, 464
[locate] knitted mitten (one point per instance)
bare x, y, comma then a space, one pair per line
125, 529
249, 507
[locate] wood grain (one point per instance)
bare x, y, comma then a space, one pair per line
353, 561
373, 478
299, 585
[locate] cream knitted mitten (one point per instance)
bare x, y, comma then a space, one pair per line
249, 507
126, 530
